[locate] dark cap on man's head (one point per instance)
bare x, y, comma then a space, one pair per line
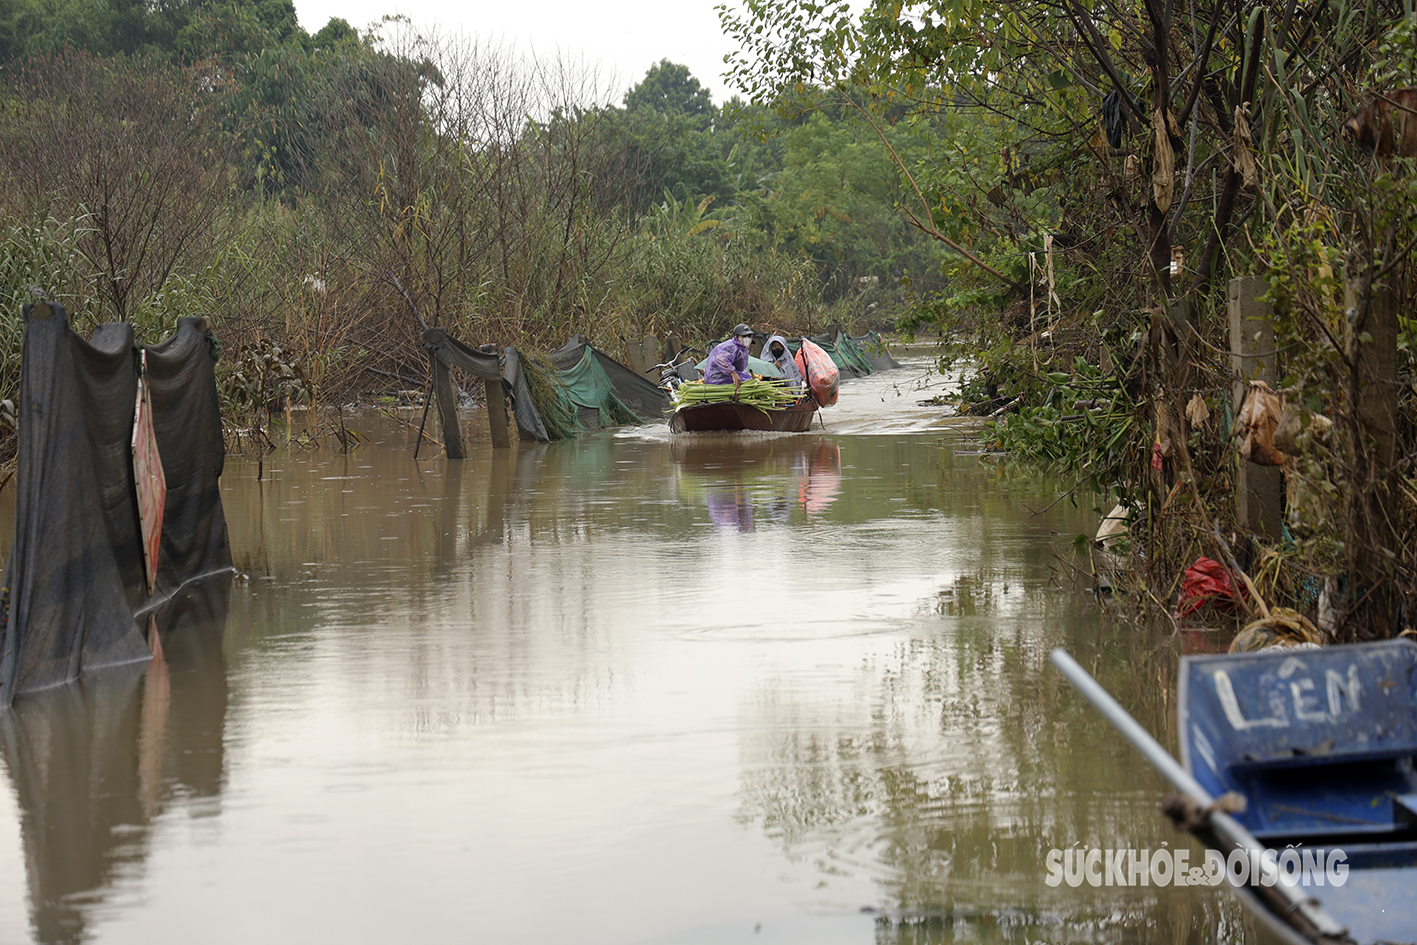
742, 329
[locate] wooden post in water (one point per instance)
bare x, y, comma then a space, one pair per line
1258, 489
447, 409
497, 414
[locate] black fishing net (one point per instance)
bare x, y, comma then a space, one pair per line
74, 590
94, 763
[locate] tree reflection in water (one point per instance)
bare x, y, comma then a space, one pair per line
511, 655
965, 759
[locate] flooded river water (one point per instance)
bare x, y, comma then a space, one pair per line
629, 689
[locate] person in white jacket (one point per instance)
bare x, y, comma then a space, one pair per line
776, 353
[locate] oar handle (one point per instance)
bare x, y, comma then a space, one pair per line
1226, 828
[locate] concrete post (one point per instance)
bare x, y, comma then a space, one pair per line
643, 356
1372, 497
1258, 489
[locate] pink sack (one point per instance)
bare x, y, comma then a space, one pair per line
819, 370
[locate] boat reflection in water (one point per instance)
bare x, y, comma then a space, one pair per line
745, 479
95, 762
820, 477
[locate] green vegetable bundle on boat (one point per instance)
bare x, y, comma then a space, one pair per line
764, 394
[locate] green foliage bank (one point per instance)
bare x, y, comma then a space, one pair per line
1099, 173
326, 197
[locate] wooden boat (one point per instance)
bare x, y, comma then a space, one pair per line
729, 415
1320, 744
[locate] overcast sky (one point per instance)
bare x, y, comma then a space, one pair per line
620, 37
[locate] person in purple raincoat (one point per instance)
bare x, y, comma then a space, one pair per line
728, 361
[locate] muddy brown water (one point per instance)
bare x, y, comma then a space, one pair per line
629, 689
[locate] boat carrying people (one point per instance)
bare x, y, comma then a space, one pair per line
766, 400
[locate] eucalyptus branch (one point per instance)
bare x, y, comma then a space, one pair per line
1397, 259
929, 229
1192, 172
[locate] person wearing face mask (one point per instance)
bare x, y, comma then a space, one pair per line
728, 361
779, 355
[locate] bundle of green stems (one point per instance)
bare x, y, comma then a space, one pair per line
765, 394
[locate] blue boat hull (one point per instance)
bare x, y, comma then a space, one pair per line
1321, 744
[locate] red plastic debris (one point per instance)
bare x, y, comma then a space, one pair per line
1206, 582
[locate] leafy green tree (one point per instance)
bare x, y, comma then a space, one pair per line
191, 29
336, 34
282, 103
835, 201
669, 89
1140, 152
33, 28
668, 127
237, 30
